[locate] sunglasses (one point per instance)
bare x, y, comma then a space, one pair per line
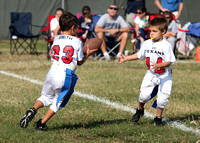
139, 12
167, 17
114, 8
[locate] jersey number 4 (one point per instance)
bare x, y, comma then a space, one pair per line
159, 60
69, 53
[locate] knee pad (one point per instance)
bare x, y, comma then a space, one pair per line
144, 98
162, 102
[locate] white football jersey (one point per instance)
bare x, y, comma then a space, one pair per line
67, 50
158, 52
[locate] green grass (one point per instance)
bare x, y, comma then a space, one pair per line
83, 120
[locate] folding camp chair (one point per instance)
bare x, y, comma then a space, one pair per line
194, 33
188, 38
47, 35
95, 19
112, 49
21, 37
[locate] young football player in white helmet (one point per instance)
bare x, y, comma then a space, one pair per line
159, 57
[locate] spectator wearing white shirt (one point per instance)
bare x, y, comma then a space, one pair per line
141, 22
54, 24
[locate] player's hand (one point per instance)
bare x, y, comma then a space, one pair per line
88, 50
92, 51
50, 53
154, 66
122, 59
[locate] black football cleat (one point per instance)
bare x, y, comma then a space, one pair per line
30, 113
40, 126
158, 121
139, 113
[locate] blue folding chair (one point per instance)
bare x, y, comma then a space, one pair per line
194, 33
21, 37
190, 40
95, 19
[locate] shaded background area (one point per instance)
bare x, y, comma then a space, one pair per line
40, 9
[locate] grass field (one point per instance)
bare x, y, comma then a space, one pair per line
86, 120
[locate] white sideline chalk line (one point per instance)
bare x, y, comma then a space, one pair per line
116, 105
95, 62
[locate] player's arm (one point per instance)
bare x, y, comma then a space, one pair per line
83, 61
155, 66
86, 55
124, 58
